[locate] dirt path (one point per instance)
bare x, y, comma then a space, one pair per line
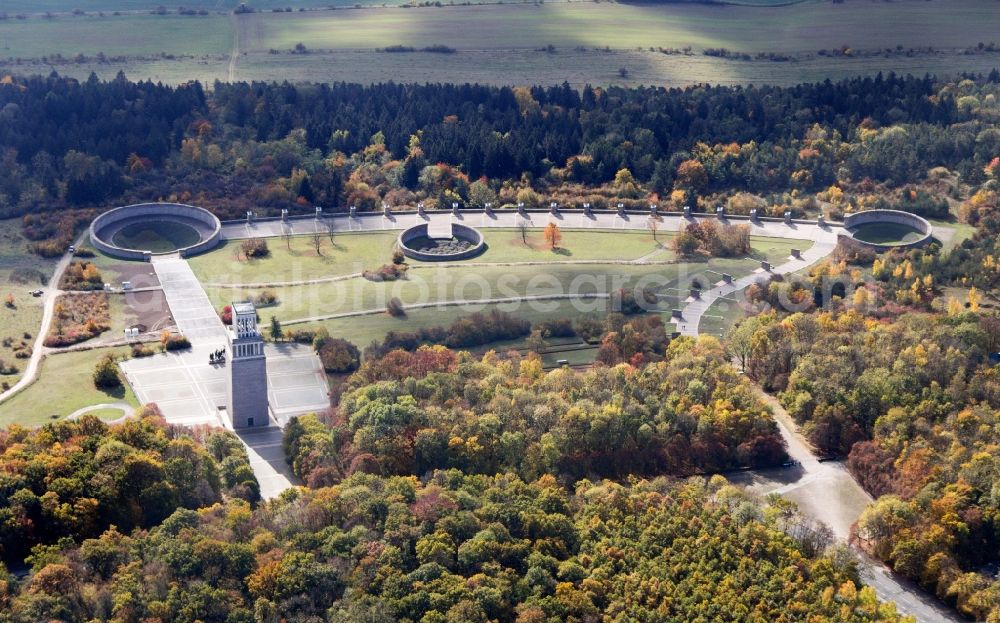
39, 349
234, 56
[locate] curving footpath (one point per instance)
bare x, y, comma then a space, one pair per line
126, 409
39, 349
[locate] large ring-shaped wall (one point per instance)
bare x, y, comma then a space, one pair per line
462, 232
105, 226
897, 217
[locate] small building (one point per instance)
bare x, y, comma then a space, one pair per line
247, 380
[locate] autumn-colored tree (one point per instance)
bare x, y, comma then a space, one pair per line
552, 235
691, 174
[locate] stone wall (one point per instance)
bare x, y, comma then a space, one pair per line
889, 216
139, 211
458, 230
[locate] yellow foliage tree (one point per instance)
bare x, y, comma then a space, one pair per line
974, 298
552, 235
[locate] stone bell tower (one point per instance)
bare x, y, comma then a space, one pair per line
247, 390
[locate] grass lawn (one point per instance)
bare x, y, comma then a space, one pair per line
295, 259
108, 415
955, 234
720, 317
364, 330
64, 385
428, 283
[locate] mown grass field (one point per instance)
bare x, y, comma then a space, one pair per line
363, 331
296, 259
64, 385
432, 283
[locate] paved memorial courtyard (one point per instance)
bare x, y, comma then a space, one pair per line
189, 389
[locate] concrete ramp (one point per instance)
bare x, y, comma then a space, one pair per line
439, 229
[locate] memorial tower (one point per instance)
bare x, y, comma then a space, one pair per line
247, 390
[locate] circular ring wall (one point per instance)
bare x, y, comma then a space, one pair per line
883, 230
138, 232
465, 242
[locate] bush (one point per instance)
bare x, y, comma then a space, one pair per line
338, 355
226, 315
302, 336
387, 272
473, 330
106, 373
254, 248
395, 308
559, 327
82, 275
141, 350
170, 341
266, 298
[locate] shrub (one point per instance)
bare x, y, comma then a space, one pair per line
141, 350
301, 336
264, 299
172, 341
254, 248
387, 272
226, 315
395, 308
106, 373
338, 355
82, 275
79, 317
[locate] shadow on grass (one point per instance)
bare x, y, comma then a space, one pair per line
562, 251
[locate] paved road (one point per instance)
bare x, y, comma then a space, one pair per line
828, 493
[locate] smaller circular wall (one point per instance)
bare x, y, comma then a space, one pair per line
137, 232
416, 244
883, 230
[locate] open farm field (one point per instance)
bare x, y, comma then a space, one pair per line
509, 44
797, 28
122, 35
15, 7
